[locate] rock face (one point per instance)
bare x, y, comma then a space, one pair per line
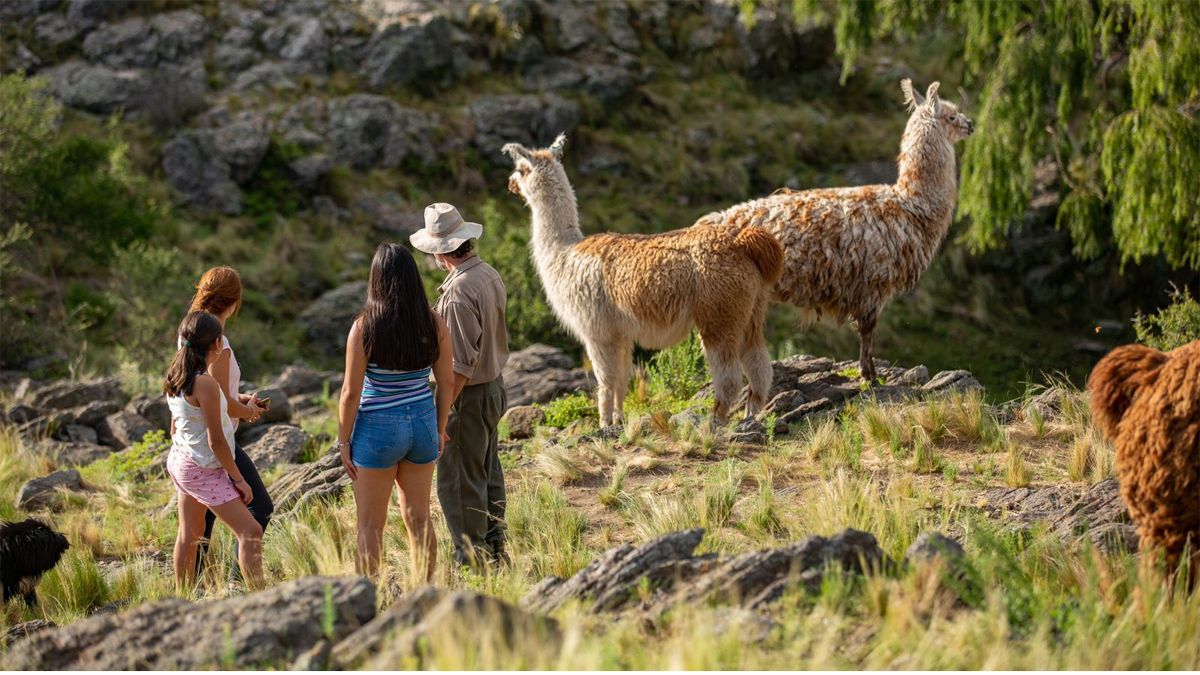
41, 492
326, 322
281, 444
325, 478
538, 374
1097, 513
271, 626
676, 576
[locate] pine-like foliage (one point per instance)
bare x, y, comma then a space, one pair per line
1109, 88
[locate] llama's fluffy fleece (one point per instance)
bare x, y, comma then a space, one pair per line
1148, 403
850, 250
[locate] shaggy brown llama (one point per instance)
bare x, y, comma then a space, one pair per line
850, 250
612, 290
1148, 403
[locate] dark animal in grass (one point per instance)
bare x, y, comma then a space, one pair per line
28, 550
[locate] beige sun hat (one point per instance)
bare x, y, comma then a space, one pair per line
444, 231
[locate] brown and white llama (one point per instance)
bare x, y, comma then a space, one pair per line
850, 250
612, 290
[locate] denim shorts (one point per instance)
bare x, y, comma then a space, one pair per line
382, 438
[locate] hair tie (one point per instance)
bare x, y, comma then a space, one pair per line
187, 343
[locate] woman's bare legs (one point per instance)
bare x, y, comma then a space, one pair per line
372, 489
249, 535
191, 531
414, 481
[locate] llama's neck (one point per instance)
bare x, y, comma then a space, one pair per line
928, 178
555, 225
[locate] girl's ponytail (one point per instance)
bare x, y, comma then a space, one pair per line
198, 331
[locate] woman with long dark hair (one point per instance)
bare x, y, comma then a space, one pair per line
201, 462
389, 428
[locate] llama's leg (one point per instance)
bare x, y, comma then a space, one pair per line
623, 367
866, 347
727, 376
602, 378
756, 360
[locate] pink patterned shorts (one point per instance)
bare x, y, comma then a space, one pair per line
210, 487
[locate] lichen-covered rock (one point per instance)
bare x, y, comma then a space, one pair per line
270, 627
416, 47
301, 41
516, 118
96, 88
366, 131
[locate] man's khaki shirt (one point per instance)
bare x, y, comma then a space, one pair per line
472, 302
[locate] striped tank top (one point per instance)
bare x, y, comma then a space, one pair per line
383, 388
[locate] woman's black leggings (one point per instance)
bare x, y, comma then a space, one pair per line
261, 508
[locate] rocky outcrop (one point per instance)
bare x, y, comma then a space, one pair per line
667, 566
421, 47
269, 627
39, 493
367, 131
122, 429
1097, 514
153, 409
539, 374
23, 630
207, 165
298, 380
325, 478
514, 118
281, 444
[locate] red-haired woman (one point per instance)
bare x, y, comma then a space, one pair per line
219, 293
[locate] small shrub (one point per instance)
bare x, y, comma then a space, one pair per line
925, 457
563, 411
135, 462
610, 495
1176, 324
1016, 471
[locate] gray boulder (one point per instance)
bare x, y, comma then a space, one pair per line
127, 44
366, 131
38, 493
66, 394
270, 627
272, 76
326, 322
233, 58
153, 409
79, 433
19, 413
281, 444
95, 88
929, 546
605, 83
93, 414
325, 478
301, 41
181, 34
539, 374
405, 613
519, 118
123, 429
419, 47
54, 31
197, 172
953, 380
242, 144
296, 380
76, 453
86, 14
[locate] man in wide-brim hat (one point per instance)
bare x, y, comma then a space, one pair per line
470, 483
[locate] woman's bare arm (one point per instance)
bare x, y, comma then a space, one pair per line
352, 384
220, 372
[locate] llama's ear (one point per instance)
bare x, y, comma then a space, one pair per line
516, 151
931, 95
1117, 378
557, 147
912, 99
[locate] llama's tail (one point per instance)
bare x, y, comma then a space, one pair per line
763, 249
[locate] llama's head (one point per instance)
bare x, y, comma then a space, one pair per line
931, 112
536, 171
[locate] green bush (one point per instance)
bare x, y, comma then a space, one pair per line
136, 462
561, 412
1176, 324
679, 371
150, 291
